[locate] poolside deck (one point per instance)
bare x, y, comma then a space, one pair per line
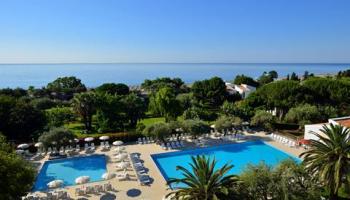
131, 189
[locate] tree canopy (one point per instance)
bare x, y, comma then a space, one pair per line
113, 88
210, 93
59, 135
17, 175
242, 79
65, 87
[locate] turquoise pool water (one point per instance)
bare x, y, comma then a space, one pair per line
237, 154
69, 169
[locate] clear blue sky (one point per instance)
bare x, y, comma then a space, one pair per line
42, 31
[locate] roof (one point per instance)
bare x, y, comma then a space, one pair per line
343, 122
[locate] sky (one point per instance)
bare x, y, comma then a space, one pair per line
253, 31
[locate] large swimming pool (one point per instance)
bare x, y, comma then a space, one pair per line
239, 155
69, 169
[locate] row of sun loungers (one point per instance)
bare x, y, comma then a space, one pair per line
93, 189
283, 140
172, 145
145, 140
49, 196
140, 169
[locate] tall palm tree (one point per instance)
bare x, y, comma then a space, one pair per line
203, 182
329, 157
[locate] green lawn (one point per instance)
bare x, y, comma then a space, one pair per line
148, 121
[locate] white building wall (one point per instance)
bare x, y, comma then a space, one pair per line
311, 129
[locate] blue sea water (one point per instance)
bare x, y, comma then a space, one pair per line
69, 169
238, 155
38, 75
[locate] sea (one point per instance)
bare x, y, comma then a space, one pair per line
92, 75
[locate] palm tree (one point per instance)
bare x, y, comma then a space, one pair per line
203, 182
329, 157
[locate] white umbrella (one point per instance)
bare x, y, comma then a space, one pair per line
123, 165
82, 179
76, 140
105, 137
118, 143
107, 176
55, 184
39, 144
212, 126
23, 146
89, 139
121, 156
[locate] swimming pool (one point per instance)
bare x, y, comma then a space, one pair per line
69, 169
239, 155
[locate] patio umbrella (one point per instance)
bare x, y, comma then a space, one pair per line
39, 144
121, 156
123, 165
107, 176
23, 146
89, 139
118, 143
82, 179
76, 140
55, 184
105, 137
212, 126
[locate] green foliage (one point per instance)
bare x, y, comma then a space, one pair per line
59, 135
164, 102
345, 73
58, 116
113, 89
17, 92
303, 114
239, 109
154, 85
257, 182
185, 100
17, 175
210, 93
326, 91
263, 119
43, 103
110, 115
288, 180
266, 78
84, 105
65, 87
134, 108
199, 113
227, 123
140, 127
19, 120
242, 79
195, 127
329, 159
204, 181
158, 130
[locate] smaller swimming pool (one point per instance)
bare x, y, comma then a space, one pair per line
69, 169
239, 155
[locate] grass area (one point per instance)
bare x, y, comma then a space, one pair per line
152, 120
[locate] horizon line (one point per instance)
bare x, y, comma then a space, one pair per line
62, 63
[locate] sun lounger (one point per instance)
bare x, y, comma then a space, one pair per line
77, 148
92, 146
86, 146
139, 141
107, 145
168, 146
79, 192
144, 179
